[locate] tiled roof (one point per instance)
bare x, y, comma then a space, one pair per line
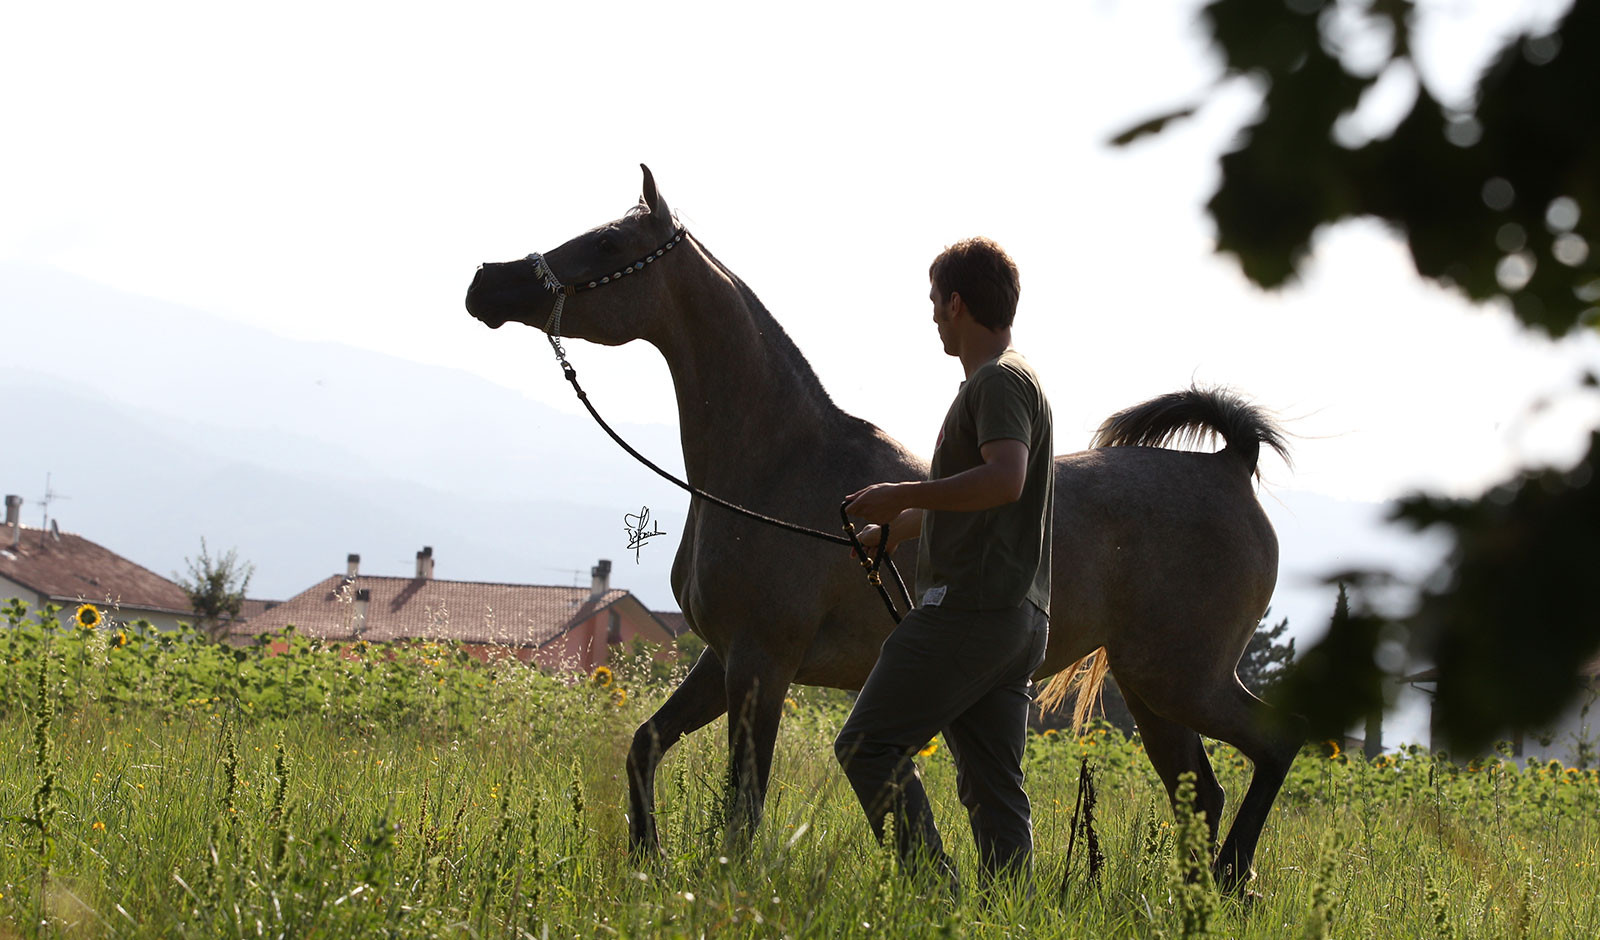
673, 620
254, 606
69, 568
424, 608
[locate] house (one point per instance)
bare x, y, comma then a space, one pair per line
48, 566
556, 628
673, 620
1573, 738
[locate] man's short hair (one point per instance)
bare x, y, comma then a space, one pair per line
985, 277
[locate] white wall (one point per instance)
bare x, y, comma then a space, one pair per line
159, 619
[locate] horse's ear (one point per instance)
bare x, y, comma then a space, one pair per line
652, 198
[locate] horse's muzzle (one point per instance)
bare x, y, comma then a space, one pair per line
477, 302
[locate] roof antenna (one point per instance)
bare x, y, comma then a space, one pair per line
49, 495
574, 571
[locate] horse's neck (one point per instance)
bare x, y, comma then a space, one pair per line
746, 396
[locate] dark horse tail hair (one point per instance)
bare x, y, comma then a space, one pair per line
1195, 416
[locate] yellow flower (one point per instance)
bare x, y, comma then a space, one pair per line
929, 749
98, 826
87, 617
601, 677
790, 704
619, 696
119, 640
1331, 749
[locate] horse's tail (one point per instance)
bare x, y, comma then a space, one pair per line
1193, 416
1086, 675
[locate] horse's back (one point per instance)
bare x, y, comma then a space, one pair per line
1157, 552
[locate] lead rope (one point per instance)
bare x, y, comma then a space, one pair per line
870, 562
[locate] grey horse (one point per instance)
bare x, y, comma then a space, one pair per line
1163, 560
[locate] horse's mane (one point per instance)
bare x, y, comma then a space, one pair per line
772, 330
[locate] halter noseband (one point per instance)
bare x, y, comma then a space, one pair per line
553, 284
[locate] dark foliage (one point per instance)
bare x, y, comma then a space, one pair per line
1518, 614
1498, 197
1469, 188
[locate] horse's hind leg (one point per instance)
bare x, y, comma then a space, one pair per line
697, 701
1270, 739
1174, 750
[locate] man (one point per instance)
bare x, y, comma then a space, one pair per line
961, 662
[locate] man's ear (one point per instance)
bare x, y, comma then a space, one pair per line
957, 305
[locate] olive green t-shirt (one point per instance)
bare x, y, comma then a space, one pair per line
999, 557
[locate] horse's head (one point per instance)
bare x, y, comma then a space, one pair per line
606, 271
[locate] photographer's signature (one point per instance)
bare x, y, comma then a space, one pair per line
638, 533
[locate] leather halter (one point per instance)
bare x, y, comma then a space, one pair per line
553, 284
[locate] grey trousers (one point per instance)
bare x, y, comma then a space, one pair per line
967, 674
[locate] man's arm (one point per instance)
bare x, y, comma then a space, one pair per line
995, 482
904, 528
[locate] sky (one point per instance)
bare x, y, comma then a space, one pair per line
336, 171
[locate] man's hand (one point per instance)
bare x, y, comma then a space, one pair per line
879, 503
870, 536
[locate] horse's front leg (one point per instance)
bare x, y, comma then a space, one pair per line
756, 686
696, 702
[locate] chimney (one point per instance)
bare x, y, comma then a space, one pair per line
352, 567
359, 625
14, 518
425, 563
599, 579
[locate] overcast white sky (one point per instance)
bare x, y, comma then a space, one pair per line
336, 171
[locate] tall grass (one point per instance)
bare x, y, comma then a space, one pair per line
198, 791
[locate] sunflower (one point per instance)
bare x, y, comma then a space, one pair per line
87, 617
601, 677
619, 696
929, 749
119, 640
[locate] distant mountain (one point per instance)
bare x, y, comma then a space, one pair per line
298, 453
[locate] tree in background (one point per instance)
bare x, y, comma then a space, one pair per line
1266, 658
216, 587
1497, 197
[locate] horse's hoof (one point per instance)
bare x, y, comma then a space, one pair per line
643, 850
1230, 882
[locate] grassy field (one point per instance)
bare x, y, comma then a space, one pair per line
154, 785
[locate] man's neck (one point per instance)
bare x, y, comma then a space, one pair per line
983, 345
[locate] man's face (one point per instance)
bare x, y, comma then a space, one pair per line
943, 314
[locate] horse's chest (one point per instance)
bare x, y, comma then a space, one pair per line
730, 573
